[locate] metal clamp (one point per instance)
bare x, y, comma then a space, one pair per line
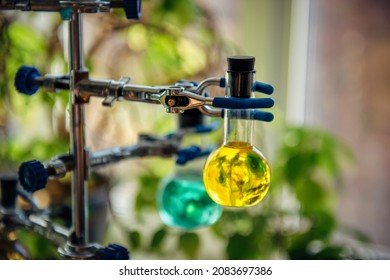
114, 91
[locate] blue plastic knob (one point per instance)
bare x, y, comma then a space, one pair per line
32, 175
132, 9
113, 252
25, 80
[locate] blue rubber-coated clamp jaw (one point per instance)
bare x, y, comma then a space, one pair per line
242, 103
258, 115
193, 152
260, 102
258, 86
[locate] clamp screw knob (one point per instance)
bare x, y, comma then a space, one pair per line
25, 80
32, 175
113, 252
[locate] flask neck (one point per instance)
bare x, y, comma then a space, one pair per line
238, 127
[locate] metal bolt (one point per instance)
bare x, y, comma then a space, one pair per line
171, 102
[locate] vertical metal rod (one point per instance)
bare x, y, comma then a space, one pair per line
77, 135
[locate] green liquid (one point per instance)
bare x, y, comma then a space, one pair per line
184, 203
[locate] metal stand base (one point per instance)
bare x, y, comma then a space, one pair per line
70, 251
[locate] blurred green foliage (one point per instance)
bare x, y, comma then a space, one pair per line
38, 246
175, 39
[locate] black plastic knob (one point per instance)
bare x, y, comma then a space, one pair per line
32, 175
25, 80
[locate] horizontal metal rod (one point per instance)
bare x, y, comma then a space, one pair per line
52, 83
165, 148
92, 6
55, 233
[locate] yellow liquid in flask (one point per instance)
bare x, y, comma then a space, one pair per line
236, 175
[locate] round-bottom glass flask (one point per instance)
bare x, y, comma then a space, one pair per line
184, 203
237, 174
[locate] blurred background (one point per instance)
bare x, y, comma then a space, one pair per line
328, 146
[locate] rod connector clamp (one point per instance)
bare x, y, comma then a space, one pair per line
114, 91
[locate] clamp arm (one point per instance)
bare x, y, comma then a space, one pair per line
175, 99
33, 174
132, 8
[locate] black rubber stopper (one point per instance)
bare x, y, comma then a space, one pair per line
241, 63
240, 71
